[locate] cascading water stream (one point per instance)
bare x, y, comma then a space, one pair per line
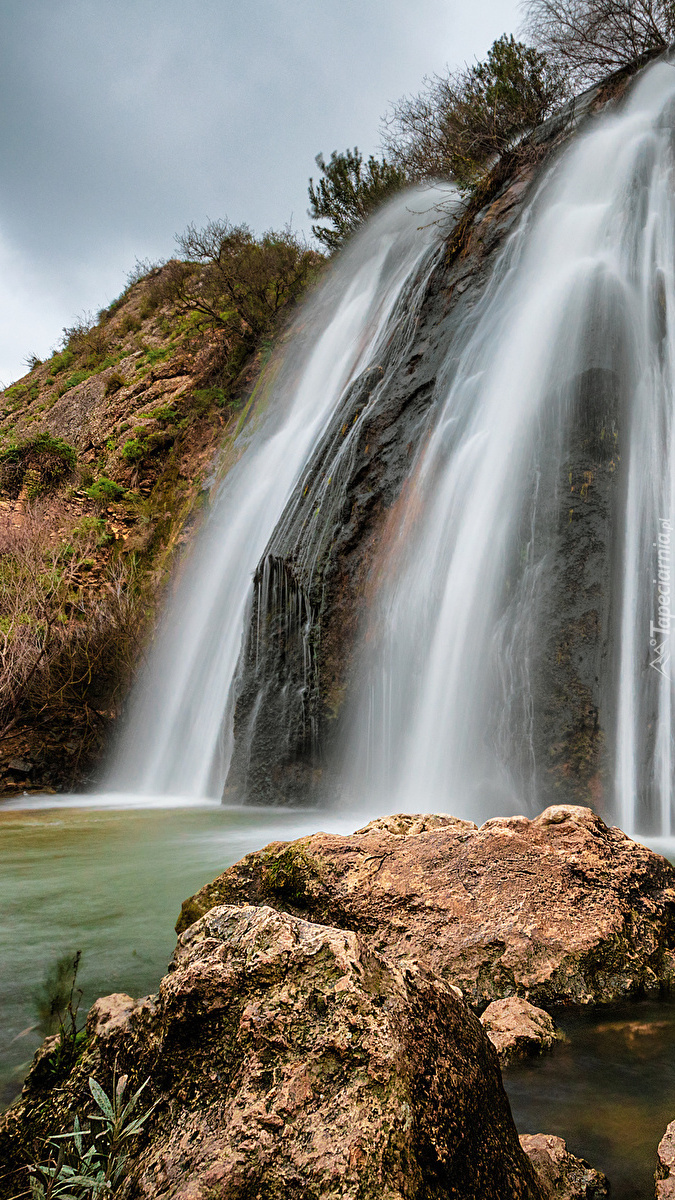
178, 738
580, 314
551, 429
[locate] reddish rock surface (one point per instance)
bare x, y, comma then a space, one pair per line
563, 1176
558, 910
665, 1171
517, 1029
290, 1062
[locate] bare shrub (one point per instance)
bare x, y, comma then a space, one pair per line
590, 38
141, 269
86, 340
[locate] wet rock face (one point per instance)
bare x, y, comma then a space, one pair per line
290, 1062
557, 910
562, 1176
314, 583
518, 1029
665, 1172
318, 575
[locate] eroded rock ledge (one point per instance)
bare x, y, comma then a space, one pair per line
561, 909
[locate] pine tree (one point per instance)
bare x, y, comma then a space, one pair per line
348, 193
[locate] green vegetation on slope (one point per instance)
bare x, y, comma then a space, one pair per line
104, 450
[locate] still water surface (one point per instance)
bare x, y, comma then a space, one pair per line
110, 882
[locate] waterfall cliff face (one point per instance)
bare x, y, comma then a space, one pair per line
440, 576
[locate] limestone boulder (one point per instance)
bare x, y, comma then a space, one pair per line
557, 910
561, 1174
287, 1060
518, 1029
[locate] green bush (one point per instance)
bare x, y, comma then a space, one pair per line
165, 412
41, 461
104, 491
133, 450
157, 354
60, 362
349, 192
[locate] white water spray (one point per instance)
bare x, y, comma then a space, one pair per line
179, 735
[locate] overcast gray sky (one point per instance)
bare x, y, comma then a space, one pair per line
123, 120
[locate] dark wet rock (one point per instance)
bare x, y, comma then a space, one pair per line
518, 1029
563, 1177
288, 1061
558, 910
665, 1172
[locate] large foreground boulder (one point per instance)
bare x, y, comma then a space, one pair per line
558, 910
286, 1061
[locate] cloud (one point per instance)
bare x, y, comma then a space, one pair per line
120, 123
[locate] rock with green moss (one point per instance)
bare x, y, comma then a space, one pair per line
288, 1061
557, 910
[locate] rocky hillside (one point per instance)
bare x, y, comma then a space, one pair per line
108, 451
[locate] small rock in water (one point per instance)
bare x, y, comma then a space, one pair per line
517, 1029
563, 1176
665, 1171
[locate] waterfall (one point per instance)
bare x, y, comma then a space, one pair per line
543, 501
516, 648
178, 737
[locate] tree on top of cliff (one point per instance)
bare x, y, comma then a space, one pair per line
348, 193
245, 282
463, 120
590, 38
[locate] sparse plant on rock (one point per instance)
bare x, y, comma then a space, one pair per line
58, 638
91, 1160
